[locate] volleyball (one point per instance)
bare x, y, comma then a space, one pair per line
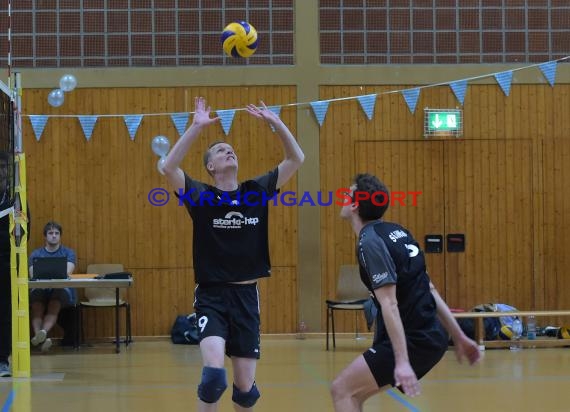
239, 39
506, 332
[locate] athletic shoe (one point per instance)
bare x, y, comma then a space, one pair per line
5, 370
46, 345
39, 337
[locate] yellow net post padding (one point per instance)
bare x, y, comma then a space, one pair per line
19, 275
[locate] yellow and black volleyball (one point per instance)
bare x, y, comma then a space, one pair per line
239, 39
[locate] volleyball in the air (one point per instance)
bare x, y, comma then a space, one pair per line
239, 39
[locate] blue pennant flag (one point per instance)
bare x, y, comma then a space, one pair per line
180, 120
549, 71
504, 79
38, 124
88, 124
459, 87
132, 122
367, 103
411, 96
320, 109
277, 111
226, 119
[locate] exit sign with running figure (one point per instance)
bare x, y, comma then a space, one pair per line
443, 122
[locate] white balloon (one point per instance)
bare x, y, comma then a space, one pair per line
56, 97
160, 165
160, 145
67, 82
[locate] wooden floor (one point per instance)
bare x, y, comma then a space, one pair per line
293, 375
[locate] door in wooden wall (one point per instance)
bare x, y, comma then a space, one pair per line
411, 166
489, 199
479, 189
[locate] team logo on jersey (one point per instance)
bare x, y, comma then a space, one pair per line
234, 220
379, 277
397, 234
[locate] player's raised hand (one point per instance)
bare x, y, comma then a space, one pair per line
263, 112
202, 113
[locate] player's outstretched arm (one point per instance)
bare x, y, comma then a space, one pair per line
201, 119
294, 156
464, 347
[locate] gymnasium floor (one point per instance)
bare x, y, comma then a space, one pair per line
293, 375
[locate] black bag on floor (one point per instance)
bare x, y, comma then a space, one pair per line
67, 321
185, 330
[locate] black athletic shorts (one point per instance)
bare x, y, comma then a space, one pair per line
232, 312
425, 349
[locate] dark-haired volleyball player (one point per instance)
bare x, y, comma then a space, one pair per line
412, 317
230, 248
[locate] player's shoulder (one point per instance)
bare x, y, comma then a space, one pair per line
387, 231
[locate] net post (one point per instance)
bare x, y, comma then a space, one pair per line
18, 248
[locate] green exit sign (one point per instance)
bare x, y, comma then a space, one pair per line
443, 122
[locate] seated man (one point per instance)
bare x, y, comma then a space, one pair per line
46, 303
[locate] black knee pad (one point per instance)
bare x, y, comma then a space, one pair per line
246, 399
213, 384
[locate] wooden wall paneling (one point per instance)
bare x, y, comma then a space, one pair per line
469, 281
526, 107
472, 118
561, 110
413, 166
529, 112
490, 102
507, 113
98, 189
515, 103
538, 221
149, 318
64, 161
556, 225
337, 168
278, 297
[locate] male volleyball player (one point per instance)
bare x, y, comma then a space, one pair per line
412, 317
230, 248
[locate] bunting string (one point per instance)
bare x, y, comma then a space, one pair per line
367, 103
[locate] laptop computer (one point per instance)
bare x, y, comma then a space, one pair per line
50, 268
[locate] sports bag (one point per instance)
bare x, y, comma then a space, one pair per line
185, 330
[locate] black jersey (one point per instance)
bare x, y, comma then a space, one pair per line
388, 254
230, 239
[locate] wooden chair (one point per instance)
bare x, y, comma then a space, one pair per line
105, 297
351, 294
